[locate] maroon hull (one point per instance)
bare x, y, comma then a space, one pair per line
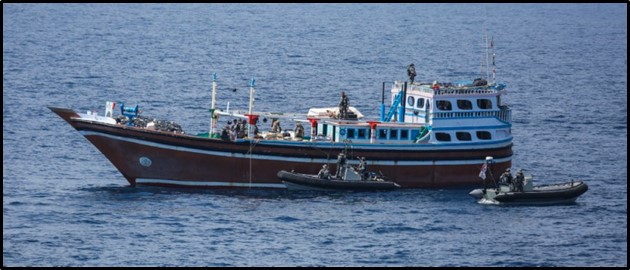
164, 159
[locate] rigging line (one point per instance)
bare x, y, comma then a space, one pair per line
252, 143
347, 142
322, 151
251, 147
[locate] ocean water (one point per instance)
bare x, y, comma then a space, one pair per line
64, 204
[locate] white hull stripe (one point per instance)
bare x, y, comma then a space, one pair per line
288, 159
207, 183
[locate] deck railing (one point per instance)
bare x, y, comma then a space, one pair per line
451, 90
504, 114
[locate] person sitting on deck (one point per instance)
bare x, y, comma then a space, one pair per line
324, 173
299, 131
435, 86
275, 126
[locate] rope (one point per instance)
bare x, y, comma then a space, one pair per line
252, 143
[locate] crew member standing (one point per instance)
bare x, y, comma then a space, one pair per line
341, 162
411, 72
343, 106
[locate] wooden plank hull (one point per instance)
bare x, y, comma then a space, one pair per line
148, 157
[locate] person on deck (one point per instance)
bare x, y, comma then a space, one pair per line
225, 133
343, 106
411, 72
299, 131
275, 126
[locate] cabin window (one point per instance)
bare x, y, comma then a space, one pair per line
393, 134
420, 103
410, 101
484, 135
443, 137
324, 129
463, 104
350, 133
443, 105
463, 136
361, 134
404, 134
382, 134
484, 104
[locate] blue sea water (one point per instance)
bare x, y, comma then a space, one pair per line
64, 204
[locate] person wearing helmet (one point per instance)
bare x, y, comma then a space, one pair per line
343, 106
275, 125
411, 72
520, 179
299, 131
324, 173
341, 162
506, 178
362, 168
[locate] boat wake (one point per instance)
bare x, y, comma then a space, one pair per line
488, 201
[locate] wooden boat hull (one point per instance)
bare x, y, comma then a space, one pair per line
312, 182
157, 158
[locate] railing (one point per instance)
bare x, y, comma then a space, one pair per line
451, 90
504, 114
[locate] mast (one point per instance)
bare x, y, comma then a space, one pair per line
494, 79
487, 54
383, 103
213, 124
251, 106
485, 44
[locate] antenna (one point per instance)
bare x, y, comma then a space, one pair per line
485, 30
494, 72
485, 26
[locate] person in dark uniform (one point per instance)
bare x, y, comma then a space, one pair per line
324, 173
343, 106
362, 168
506, 178
299, 131
520, 180
411, 72
225, 134
275, 126
341, 162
